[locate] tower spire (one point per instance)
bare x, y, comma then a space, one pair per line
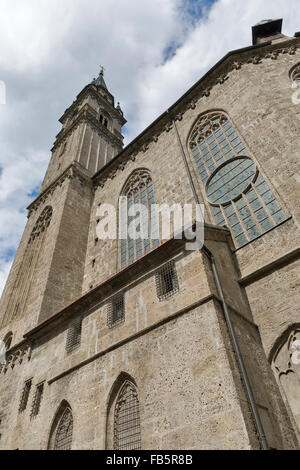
100, 80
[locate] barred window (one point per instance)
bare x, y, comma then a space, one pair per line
25, 396
127, 429
166, 281
74, 335
64, 433
37, 400
139, 232
116, 310
236, 191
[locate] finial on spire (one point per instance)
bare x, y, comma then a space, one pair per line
100, 80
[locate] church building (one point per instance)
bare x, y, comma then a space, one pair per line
131, 343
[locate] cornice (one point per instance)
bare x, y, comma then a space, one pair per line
87, 115
120, 279
75, 170
218, 75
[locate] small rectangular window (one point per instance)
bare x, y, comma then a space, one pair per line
116, 310
74, 335
37, 400
25, 396
166, 281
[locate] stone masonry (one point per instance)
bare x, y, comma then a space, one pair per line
175, 355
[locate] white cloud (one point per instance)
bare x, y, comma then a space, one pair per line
50, 49
5, 267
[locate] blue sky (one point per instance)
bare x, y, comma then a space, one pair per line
153, 51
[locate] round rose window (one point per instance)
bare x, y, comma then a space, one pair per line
229, 181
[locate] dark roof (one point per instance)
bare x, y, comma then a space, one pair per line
266, 28
100, 81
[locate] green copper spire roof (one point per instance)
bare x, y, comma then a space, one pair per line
100, 80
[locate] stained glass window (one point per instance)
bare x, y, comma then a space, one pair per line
127, 430
64, 433
237, 192
139, 228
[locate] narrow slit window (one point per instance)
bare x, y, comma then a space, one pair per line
25, 396
37, 400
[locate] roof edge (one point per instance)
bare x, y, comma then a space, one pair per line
230, 53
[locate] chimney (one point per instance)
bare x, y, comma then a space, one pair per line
267, 30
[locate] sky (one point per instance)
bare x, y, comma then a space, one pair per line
152, 51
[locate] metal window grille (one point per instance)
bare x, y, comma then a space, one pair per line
166, 281
37, 400
74, 335
25, 396
127, 428
116, 310
237, 192
64, 433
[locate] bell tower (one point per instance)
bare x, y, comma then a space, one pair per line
91, 131
47, 272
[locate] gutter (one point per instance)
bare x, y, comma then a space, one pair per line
243, 372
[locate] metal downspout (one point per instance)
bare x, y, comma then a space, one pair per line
260, 430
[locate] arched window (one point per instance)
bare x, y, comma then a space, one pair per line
27, 270
139, 230
285, 362
127, 429
236, 191
8, 340
104, 118
62, 429
295, 74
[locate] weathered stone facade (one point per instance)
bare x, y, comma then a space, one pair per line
175, 355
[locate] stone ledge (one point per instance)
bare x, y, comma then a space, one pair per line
264, 270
